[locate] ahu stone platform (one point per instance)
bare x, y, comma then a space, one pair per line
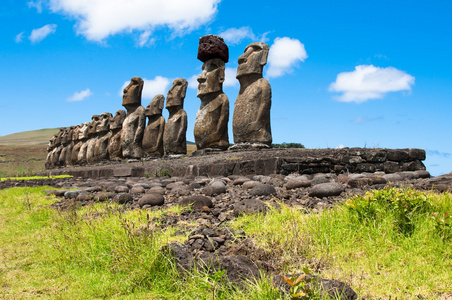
259, 162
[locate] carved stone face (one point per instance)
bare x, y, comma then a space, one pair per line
64, 136
132, 92
117, 120
155, 106
211, 78
104, 122
93, 125
176, 93
84, 130
253, 59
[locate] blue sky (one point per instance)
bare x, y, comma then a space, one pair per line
343, 73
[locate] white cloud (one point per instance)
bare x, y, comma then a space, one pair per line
193, 82
39, 34
145, 39
80, 96
19, 37
230, 79
152, 87
285, 53
97, 20
369, 82
36, 4
234, 36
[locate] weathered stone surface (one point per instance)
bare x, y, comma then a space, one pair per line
151, 199
211, 125
326, 190
250, 184
123, 198
212, 46
121, 189
297, 183
251, 119
249, 206
104, 196
114, 145
134, 123
137, 190
263, 190
91, 143
197, 202
216, 188
153, 133
174, 138
72, 194
103, 137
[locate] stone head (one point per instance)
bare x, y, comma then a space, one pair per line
117, 120
155, 107
211, 78
64, 135
70, 133
84, 131
104, 122
132, 92
253, 60
176, 93
93, 125
59, 135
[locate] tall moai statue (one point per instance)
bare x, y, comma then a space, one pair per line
135, 121
50, 148
65, 141
93, 136
114, 146
55, 156
153, 133
71, 144
174, 138
251, 119
211, 125
83, 137
103, 138
77, 144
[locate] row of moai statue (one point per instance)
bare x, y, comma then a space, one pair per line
126, 135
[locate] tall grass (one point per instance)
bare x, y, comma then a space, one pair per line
98, 251
393, 243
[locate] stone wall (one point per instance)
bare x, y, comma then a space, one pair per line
261, 162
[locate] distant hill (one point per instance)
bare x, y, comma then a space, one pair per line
33, 137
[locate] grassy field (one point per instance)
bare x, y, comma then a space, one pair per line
390, 244
33, 137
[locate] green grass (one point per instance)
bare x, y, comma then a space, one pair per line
32, 137
97, 252
387, 244
35, 177
365, 242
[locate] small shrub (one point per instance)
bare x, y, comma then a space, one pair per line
404, 204
299, 286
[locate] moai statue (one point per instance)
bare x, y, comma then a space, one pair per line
77, 144
211, 125
50, 149
174, 138
135, 121
153, 133
55, 156
93, 137
83, 140
65, 139
251, 119
72, 137
103, 138
114, 146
